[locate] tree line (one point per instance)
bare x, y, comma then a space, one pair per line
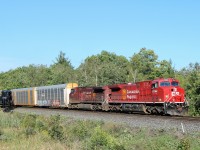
107, 68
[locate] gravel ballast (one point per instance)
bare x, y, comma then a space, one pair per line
134, 120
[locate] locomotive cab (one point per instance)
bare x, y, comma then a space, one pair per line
171, 95
169, 91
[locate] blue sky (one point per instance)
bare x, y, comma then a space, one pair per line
35, 31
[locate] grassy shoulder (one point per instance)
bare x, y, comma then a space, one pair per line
33, 132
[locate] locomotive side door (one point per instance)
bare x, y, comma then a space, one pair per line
154, 91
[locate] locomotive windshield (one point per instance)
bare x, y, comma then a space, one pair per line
175, 83
165, 83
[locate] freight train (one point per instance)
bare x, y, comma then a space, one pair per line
159, 96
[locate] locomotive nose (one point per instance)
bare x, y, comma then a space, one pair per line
175, 103
178, 94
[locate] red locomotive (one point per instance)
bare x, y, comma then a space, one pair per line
86, 98
160, 96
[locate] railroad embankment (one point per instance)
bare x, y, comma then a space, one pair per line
30, 131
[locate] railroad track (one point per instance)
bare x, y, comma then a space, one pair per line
189, 118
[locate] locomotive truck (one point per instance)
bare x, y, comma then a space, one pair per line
159, 96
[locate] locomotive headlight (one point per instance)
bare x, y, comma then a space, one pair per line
167, 96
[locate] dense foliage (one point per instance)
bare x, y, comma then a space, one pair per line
102, 69
106, 68
190, 76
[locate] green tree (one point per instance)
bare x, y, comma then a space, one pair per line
144, 64
165, 69
23, 77
61, 59
38, 75
62, 71
193, 88
102, 69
